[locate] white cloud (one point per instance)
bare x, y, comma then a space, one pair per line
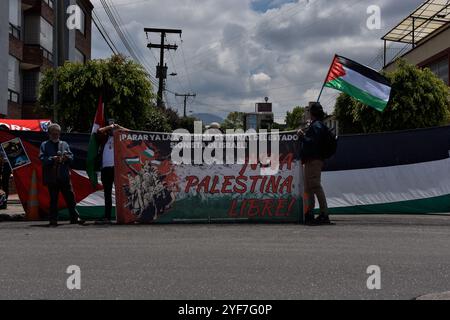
236, 56
260, 78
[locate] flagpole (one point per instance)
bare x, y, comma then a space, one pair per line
325, 81
321, 91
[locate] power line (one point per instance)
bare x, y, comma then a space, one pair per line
185, 65
124, 39
135, 47
176, 72
118, 30
185, 96
101, 29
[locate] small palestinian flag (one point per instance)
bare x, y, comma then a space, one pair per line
134, 160
149, 153
361, 82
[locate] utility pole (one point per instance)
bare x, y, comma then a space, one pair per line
185, 96
161, 69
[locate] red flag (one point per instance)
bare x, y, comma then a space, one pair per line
99, 122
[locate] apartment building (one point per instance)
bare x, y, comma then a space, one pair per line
426, 34
27, 49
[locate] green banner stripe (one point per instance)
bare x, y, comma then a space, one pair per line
358, 94
422, 206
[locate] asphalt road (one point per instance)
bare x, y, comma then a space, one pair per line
228, 261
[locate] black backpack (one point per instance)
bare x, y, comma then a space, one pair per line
329, 143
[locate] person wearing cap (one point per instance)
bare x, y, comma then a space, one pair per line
214, 126
56, 158
313, 161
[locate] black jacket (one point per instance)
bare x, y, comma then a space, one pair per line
312, 142
52, 172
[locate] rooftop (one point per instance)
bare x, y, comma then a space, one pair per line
425, 20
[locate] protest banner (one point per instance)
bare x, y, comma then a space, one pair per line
153, 186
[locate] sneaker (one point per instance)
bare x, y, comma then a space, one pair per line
78, 221
309, 220
322, 219
53, 224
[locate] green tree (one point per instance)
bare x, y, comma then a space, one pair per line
125, 87
235, 120
295, 118
278, 126
344, 112
177, 122
419, 99
156, 121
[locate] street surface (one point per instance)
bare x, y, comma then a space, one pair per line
228, 261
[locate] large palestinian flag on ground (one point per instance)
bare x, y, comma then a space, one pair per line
361, 82
405, 172
396, 172
28, 179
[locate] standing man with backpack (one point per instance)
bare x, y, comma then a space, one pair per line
318, 144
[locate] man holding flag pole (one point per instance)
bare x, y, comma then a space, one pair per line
101, 156
318, 143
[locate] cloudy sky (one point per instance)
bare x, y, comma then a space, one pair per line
234, 53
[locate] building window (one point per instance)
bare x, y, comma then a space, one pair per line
79, 56
13, 96
15, 15
13, 74
46, 35
440, 68
15, 12
30, 86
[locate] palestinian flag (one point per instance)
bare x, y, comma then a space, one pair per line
133, 160
28, 179
361, 82
149, 153
99, 122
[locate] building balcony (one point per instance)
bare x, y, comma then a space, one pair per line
35, 56
42, 8
15, 31
27, 4
15, 47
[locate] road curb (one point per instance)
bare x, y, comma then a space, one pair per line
13, 217
436, 296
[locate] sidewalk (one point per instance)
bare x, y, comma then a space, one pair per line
15, 210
